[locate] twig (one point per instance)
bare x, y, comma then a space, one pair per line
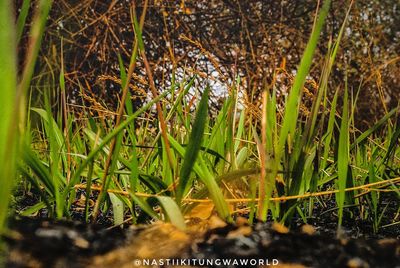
125, 90
246, 200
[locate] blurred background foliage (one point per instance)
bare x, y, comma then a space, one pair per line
219, 40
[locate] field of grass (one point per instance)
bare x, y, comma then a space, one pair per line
171, 156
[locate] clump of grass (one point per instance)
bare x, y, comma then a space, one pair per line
190, 159
14, 89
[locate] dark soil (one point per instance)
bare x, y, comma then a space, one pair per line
42, 242
47, 243
301, 247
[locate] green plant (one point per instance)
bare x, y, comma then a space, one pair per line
13, 101
173, 159
8, 101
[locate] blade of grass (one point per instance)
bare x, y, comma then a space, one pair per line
173, 212
376, 126
8, 131
39, 169
292, 105
118, 209
201, 169
343, 156
36, 33
21, 21
66, 119
194, 145
144, 205
327, 138
290, 117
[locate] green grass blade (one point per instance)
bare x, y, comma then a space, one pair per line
8, 122
343, 156
201, 169
173, 211
327, 138
118, 209
292, 105
227, 178
376, 126
194, 145
39, 169
240, 130
134, 166
23, 14
88, 190
144, 206
33, 209
110, 174
35, 183
394, 142
36, 33
53, 131
138, 31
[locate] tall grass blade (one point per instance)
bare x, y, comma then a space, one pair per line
36, 33
287, 131
343, 156
292, 105
8, 118
206, 176
394, 141
374, 128
327, 138
194, 145
21, 21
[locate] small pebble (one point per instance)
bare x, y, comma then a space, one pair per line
308, 229
241, 221
280, 228
216, 222
241, 231
357, 263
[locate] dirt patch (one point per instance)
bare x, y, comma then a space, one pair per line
44, 243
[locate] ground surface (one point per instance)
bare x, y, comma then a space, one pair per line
45, 243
